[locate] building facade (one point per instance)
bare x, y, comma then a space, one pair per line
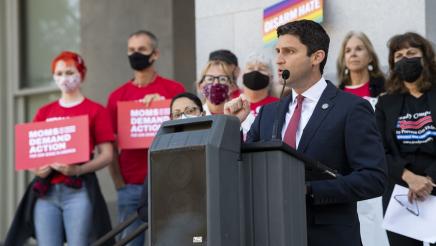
32, 32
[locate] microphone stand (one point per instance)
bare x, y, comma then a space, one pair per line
275, 137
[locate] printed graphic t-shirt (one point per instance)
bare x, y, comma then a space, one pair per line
415, 129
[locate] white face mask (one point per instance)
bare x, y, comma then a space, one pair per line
67, 83
184, 116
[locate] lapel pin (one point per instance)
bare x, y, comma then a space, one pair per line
325, 106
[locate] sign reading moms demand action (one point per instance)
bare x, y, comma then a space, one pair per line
42, 143
138, 124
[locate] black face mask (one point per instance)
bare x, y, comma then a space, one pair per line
409, 69
255, 80
139, 61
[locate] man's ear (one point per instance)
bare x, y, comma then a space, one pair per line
317, 57
156, 54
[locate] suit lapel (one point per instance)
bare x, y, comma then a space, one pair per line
281, 113
322, 108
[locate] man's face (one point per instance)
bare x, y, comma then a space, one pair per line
292, 56
143, 45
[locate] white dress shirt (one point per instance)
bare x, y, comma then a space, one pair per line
311, 98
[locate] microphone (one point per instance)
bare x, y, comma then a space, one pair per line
285, 76
275, 137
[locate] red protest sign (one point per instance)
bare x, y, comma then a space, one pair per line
42, 143
138, 124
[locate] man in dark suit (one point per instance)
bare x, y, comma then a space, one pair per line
328, 125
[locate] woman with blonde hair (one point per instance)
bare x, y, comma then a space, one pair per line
359, 73
358, 69
214, 85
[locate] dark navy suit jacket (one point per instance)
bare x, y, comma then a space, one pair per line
342, 134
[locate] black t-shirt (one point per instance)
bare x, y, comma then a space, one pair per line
416, 131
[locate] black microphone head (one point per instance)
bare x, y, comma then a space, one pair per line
285, 74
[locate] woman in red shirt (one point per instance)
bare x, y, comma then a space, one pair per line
257, 80
359, 74
358, 68
66, 199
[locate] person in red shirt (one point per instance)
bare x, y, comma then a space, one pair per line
257, 80
358, 68
129, 168
66, 199
359, 74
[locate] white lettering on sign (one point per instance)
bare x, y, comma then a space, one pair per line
50, 142
291, 15
146, 122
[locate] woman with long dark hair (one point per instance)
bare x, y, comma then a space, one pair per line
406, 118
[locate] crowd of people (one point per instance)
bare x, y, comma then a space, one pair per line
373, 152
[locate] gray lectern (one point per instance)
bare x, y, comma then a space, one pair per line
204, 189
274, 204
193, 183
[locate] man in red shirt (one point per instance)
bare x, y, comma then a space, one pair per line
129, 170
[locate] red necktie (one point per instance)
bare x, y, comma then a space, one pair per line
291, 132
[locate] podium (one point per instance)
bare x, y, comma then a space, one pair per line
204, 189
193, 183
272, 181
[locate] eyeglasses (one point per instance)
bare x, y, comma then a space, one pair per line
189, 111
404, 202
222, 79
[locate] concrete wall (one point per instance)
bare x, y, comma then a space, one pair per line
430, 20
105, 27
238, 25
184, 41
3, 186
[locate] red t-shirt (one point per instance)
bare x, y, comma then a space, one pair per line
100, 127
134, 162
360, 90
255, 107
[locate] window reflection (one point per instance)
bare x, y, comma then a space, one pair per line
48, 27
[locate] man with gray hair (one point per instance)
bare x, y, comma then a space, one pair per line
130, 166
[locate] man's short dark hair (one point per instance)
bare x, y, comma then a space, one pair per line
224, 55
149, 34
311, 34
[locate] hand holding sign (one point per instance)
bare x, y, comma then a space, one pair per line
67, 170
42, 172
150, 98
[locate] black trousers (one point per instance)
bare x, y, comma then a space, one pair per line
400, 240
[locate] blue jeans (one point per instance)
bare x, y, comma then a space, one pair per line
128, 201
63, 208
